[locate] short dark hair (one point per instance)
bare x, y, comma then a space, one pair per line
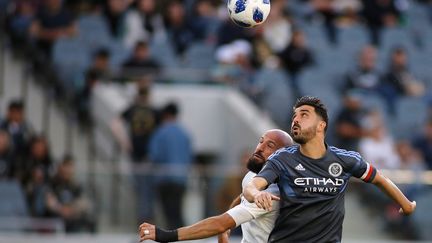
315, 102
171, 109
102, 53
17, 104
141, 44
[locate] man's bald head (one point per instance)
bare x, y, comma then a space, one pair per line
282, 138
270, 141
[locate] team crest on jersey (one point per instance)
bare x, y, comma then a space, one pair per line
335, 169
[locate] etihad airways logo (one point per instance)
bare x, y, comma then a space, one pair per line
320, 185
310, 181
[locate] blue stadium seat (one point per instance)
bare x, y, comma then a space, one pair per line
411, 113
118, 54
200, 56
392, 37
318, 82
352, 38
422, 218
164, 53
93, 31
316, 36
12, 200
71, 58
277, 97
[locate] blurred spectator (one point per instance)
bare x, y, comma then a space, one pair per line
348, 123
364, 76
347, 11
144, 24
178, 28
83, 98
295, 58
171, 151
101, 64
115, 12
205, 21
423, 142
141, 63
141, 119
399, 81
52, 22
39, 157
327, 11
36, 189
20, 22
411, 158
18, 129
378, 147
67, 201
234, 66
379, 14
6, 159
277, 27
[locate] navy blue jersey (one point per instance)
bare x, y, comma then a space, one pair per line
312, 192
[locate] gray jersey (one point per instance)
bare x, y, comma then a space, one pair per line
312, 192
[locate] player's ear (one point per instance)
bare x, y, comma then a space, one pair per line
321, 126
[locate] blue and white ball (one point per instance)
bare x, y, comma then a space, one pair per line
248, 13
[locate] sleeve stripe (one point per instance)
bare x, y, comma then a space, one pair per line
368, 169
369, 175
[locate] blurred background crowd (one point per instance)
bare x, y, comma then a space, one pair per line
369, 60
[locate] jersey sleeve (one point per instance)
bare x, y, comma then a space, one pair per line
246, 211
270, 172
240, 215
363, 170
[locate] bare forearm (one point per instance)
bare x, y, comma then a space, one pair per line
206, 228
249, 192
393, 192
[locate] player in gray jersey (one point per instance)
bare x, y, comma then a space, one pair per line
256, 223
312, 178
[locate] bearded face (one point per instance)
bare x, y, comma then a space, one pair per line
302, 135
256, 163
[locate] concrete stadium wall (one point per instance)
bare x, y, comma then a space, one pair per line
220, 120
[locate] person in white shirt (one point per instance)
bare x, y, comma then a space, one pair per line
256, 223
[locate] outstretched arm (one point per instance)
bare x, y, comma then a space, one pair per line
203, 229
386, 185
253, 193
224, 237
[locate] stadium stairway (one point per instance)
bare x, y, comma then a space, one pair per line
52, 122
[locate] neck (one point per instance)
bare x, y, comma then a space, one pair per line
314, 149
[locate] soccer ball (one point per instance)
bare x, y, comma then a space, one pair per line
248, 13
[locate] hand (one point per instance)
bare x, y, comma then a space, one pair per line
409, 210
264, 200
147, 232
224, 237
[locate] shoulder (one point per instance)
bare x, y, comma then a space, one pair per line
248, 178
346, 155
284, 152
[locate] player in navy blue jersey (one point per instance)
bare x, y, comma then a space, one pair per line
312, 178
